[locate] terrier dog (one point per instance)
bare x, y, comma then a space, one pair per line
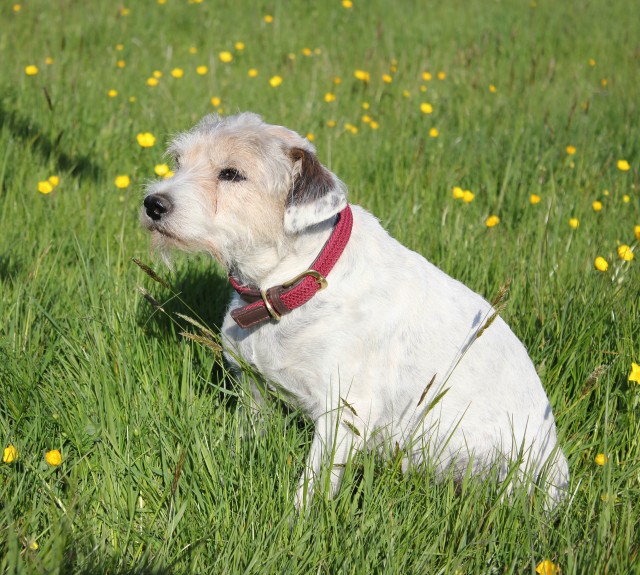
371, 341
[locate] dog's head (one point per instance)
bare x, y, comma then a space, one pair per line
240, 186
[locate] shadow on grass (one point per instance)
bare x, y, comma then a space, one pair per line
30, 134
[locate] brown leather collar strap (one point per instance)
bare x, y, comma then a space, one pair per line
279, 300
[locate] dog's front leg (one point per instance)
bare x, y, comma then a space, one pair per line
332, 444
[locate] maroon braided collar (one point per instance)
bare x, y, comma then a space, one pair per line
279, 300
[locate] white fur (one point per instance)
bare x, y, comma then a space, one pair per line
358, 356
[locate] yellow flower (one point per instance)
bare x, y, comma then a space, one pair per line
337, 80
33, 546
275, 81
161, 169
239, 46
53, 457
268, 18
54, 180
362, 75
534, 199
635, 373
406, 93
351, 128
146, 139
433, 133
125, 11
365, 105
225, 56
307, 52
374, 125
492, 89
592, 62
157, 74
625, 253
122, 182
623, 165
177, 72
252, 73
347, 4
17, 7
426, 108
570, 150
310, 137
329, 97
426, 76
121, 63
597, 206
152, 81
332, 124
492, 221
387, 79
31, 70
604, 82
10, 454
574, 223
119, 47
215, 101
48, 60
458, 192
45, 187
636, 231
601, 264
366, 119
467, 197
168, 175
201, 70
626, 198
132, 99
547, 567
442, 75
601, 459
112, 93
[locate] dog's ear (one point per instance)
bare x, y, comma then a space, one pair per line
315, 195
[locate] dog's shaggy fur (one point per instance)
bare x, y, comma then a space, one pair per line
359, 356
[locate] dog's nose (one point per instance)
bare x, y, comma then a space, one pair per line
156, 206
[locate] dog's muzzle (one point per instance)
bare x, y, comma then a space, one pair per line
156, 206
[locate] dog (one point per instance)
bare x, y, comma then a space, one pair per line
376, 345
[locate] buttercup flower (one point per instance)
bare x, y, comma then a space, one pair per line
442, 75
457, 192
152, 81
252, 73
239, 46
177, 72
329, 97
157, 74
374, 125
146, 139
121, 64
635, 373
275, 81
225, 57
122, 182
331, 123
53, 457
626, 198
268, 18
347, 4
636, 231
201, 70
54, 180
592, 62
492, 221
426, 108
433, 133
31, 70
601, 264
597, 206
492, 89
387, 78
570, 150
10, 454
45, 187
161, 169
362, 75
112, 93
625, 253
574, 223
601, 459
534, 199
623, 165
547, 567
467, 197
426, 76
215, 101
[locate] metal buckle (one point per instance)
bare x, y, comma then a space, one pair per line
322, 281
272, 312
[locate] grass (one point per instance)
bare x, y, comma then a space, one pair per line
155, 476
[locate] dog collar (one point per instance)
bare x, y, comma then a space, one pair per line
279, 300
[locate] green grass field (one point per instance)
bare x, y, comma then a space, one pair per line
513, 101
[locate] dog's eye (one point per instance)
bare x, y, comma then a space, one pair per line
230, 175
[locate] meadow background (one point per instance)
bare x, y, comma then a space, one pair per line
531, 107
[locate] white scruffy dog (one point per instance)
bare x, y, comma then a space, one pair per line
392, 352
